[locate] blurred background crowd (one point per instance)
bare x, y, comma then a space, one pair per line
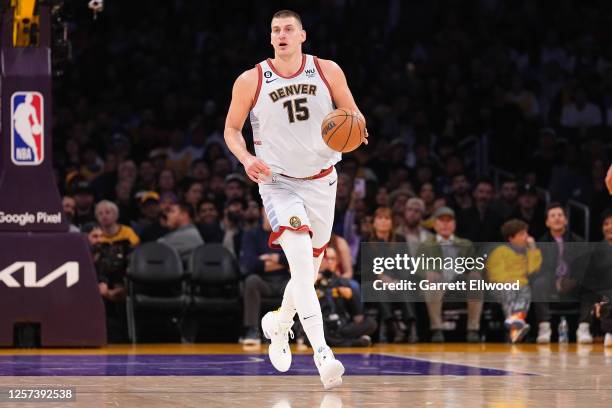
486, 110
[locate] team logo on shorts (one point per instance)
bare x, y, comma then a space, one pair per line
27, 135
295, 222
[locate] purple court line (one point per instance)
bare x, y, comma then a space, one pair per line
225, 365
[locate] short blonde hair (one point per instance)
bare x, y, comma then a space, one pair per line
108, 204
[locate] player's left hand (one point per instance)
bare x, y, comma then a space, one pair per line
609, 180
364, 139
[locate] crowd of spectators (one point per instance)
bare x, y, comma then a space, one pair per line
139, 115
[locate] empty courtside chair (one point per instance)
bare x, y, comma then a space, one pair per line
156, 281
215, 277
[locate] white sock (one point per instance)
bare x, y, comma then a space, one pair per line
287, 310
317, 264
298, 250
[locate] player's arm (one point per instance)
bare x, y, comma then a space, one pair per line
609, 180
243, 94
341, 94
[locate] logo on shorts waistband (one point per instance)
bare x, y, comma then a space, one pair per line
295, 222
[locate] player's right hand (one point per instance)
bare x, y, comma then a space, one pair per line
256, 169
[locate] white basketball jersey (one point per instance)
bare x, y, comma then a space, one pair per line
286, 119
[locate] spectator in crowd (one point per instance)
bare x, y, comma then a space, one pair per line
179, 156
194, 194
127, 172
343, 200
123, 199
200, 171
428, 195
266, 273
352, 220
235, 187
184, 237
111, 260
581, 113
69, 207
148, 226
597, 283
252, 215
561, 262
147, 179
118, 235
232, 225
167, 182
480, 223
397, 319
345, 323
208, 222
530, 210
344, 264
460, 197
506, 202
508, 263
397, 200
110, 283
446, 244
546, 156
412, 230
84, 200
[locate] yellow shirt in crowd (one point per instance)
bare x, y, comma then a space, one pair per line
507, 265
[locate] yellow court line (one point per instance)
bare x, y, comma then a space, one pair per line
238, 349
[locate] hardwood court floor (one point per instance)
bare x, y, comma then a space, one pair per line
424, 375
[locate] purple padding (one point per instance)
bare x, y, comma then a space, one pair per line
222, 364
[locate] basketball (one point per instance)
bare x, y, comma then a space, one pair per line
342, 130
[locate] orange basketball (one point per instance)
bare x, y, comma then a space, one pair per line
342, 130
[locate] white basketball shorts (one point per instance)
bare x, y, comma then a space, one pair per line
301, 205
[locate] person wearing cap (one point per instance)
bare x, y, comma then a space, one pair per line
84, 204
530, 210
412, 229
148, 226
445, 244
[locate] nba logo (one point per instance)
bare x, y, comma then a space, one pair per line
27, 128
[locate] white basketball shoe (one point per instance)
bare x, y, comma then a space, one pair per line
330, 369
583, 334
278, 333
544, 333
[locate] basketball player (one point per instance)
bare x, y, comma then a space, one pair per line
288, 97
